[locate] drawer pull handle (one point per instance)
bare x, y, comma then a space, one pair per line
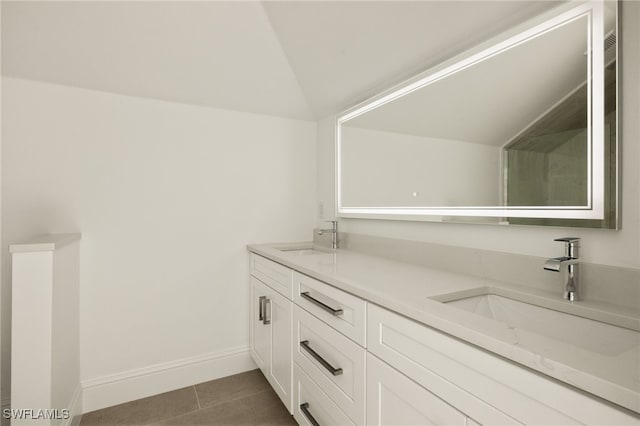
266, 320
262, 312
261, 300
335, 371
305, 409
322, 305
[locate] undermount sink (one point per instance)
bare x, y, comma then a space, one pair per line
585, 333
304, 251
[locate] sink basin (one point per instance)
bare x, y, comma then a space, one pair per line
304, 251
585, 333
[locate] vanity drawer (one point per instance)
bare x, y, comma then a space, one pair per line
311, 406
476, 381
394, 399
335, 363
426, 355
342, 311
273, 274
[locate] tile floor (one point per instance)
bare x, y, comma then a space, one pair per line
243, 399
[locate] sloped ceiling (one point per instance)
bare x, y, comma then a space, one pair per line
345, 52
297, 59
219, 54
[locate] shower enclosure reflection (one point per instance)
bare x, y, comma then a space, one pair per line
547, 163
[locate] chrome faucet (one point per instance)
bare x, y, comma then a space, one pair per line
572, 263
334, 232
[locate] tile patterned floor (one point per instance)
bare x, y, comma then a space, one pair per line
243, 399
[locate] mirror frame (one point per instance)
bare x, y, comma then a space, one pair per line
595, 209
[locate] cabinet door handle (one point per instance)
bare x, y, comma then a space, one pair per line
322, 305
305, 409
261, 300
266, 320
335, 371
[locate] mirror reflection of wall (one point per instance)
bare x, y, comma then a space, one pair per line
415, 170
505, 133
455, 128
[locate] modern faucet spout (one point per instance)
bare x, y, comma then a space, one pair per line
334, 231
555, 263
569, 263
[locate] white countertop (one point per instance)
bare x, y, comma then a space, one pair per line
410, 291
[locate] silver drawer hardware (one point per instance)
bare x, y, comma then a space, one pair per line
305, 409
263, 310
322, 305
261, 300
267, 318
335, 371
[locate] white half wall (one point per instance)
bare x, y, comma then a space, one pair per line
45, 323
166, 196
617, 248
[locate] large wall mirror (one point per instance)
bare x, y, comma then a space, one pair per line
521, 130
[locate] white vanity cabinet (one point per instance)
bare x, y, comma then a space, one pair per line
324, 332
271, 329
334, 362
485, 387
329, 354
336, 359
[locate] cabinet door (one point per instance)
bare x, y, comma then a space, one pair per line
260, 330
394, 399
278, 312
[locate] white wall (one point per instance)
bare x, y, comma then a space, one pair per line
620, 248
4, 400
166, 196
400, 170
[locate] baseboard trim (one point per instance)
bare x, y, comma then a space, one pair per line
143, 382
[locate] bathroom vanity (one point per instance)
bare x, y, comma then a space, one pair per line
349, 338
346, 337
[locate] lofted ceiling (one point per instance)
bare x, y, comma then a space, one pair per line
297, 59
